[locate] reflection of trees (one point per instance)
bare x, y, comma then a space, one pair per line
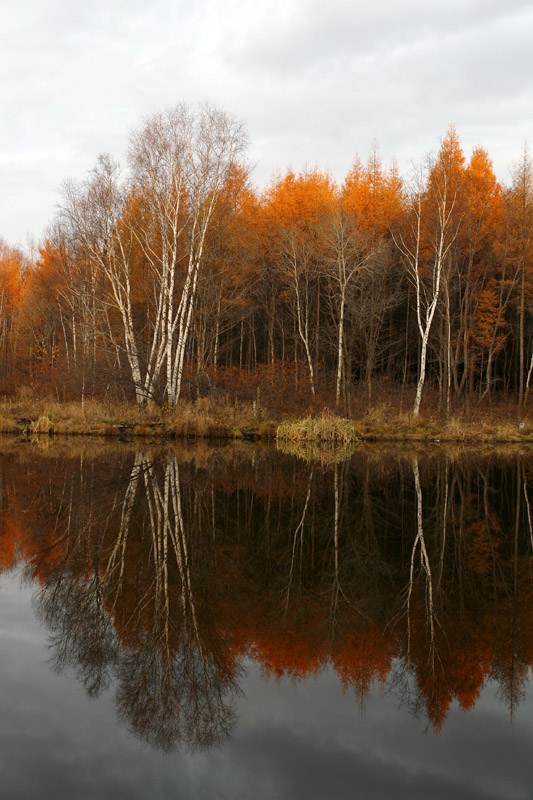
420, 544
159, 575
174, 677
174, 684
82, 632
511, 669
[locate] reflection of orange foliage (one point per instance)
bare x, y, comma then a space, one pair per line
466, 673
453, 670
39, 547
8, 548
362, 657
480, 548
480, 629
437, 696
289, 652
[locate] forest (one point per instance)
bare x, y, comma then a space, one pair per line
174, 278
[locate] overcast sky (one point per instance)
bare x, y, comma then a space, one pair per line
314, 80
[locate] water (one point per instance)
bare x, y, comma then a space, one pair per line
236, 623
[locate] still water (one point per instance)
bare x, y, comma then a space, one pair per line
234, 622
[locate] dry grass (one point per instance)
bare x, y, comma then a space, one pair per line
43, 415
42, 426
326, 454
325, 428
8, 425
267, 430
204, 418
209, 418
383, 424
487, 430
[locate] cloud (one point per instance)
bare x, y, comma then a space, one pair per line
314, 81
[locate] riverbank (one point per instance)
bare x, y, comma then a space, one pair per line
200, 419
211, 420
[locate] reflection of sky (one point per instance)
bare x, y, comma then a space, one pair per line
291, 741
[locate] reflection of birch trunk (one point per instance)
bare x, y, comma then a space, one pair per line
192, 676
179, 540
424, 561
336, 583
444, 521
139, 623
515, 674
298, 535
116, 558
74, 608
528, 508
168, 526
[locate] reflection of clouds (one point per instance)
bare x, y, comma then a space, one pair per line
301, 767
290, 742
301, 735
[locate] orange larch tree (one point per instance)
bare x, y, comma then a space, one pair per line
295, 207
374, 200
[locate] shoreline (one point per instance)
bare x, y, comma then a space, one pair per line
27, 417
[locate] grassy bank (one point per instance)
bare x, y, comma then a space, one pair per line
385, 425
201, 419
209, 419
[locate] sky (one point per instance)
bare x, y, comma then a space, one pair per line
314, 81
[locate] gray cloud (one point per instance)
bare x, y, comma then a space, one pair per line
315, 82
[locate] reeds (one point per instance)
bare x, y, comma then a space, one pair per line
42, 426
324, 453
325, 428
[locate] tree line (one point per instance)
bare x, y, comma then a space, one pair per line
174, 276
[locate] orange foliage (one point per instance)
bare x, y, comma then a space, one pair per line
374, 195
484, 197
299, 201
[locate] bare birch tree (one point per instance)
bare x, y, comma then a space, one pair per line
433, 230
347, 256
86, 226
179, 160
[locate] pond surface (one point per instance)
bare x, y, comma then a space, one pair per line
233, 622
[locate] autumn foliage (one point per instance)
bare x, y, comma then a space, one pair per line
172, 278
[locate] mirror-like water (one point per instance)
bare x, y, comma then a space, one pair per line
233, 622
